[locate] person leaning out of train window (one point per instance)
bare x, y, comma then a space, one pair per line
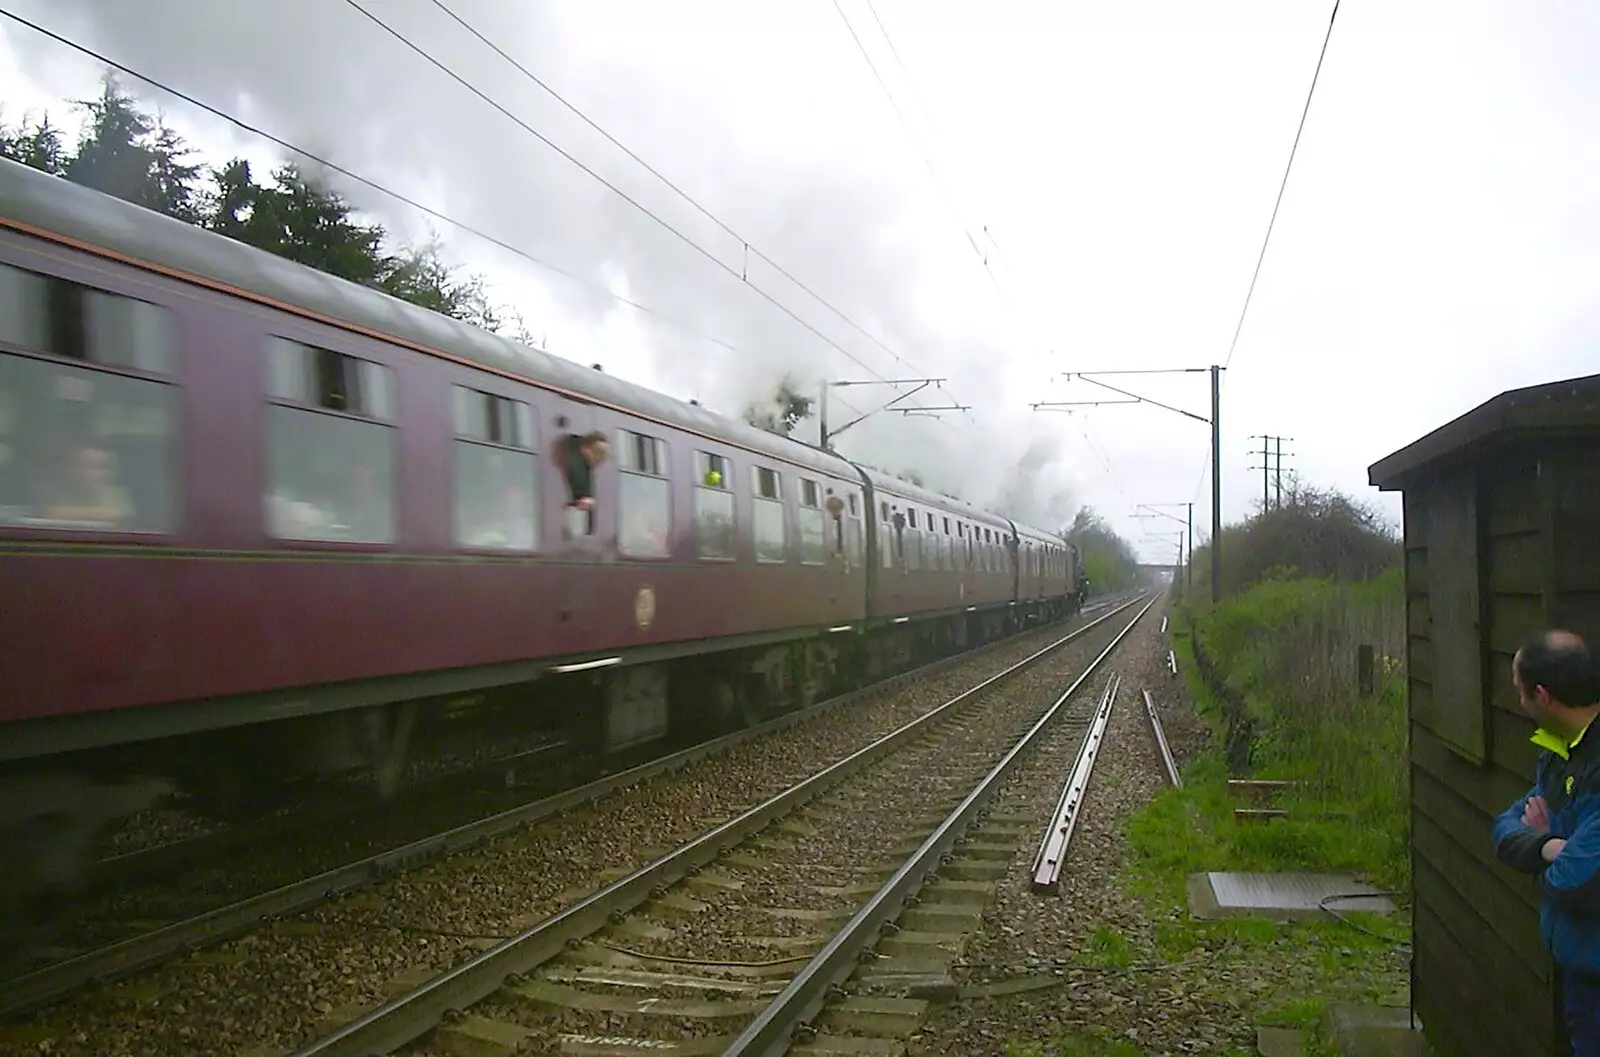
582, 455
1553, 831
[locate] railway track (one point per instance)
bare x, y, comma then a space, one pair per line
221, 919
733, 941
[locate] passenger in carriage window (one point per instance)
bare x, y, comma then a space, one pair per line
579, 457
582, 455
88, 491
367, 510
505, 520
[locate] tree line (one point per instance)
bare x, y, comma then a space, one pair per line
1313, 533
127, 152
1109, 561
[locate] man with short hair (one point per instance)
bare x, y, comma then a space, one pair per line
582, 455
1554, 831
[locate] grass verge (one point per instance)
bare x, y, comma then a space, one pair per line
1287, 648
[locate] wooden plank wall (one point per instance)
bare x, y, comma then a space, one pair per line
1477, 565
1574, 589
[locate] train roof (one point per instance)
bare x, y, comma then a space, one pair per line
915, 493
55, 206
1055, 539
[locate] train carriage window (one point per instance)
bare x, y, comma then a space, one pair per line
644, 496
888, 537
330, 448
855, 532
715, 534
86, 446
497, 470
766, 491
913, 541
812, 524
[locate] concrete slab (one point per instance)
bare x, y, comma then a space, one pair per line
871, 1015
546, 995
615, 1045
975, 870
1373, 1031
849, 1046
922, 944
474, 1036
1280, 1042
1280, 896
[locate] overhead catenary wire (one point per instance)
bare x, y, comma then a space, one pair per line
917, 146
1273, 220
680, 192
619, 192
374, 185
1282, 186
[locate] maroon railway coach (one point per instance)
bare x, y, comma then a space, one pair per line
308, 484
257, 522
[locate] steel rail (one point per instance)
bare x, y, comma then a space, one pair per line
23, 994
1167, 762
411, 1015
769, 1034
1052, 854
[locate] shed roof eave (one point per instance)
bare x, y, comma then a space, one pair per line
1563, 405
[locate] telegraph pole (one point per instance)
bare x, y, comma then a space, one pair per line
1279, 472
1215, 421
1216, 483
1266, 467
824, 437
1275, 480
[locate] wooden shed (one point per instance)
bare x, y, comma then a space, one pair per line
1502, 537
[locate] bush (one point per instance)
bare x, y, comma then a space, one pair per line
1314, 533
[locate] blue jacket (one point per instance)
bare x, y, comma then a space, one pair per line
1568, 776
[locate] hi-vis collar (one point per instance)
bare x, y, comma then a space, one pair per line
1556, 743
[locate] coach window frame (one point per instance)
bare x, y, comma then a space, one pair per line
632, 467
525, 417
336, 344
113, 284
888, 535
808, 511
704, 463
759, 502
855, 536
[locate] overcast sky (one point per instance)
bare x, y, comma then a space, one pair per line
1115, 162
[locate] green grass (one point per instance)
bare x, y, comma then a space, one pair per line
1106, 950
1288, 648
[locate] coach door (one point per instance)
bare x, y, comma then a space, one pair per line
579, 540
582, 533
